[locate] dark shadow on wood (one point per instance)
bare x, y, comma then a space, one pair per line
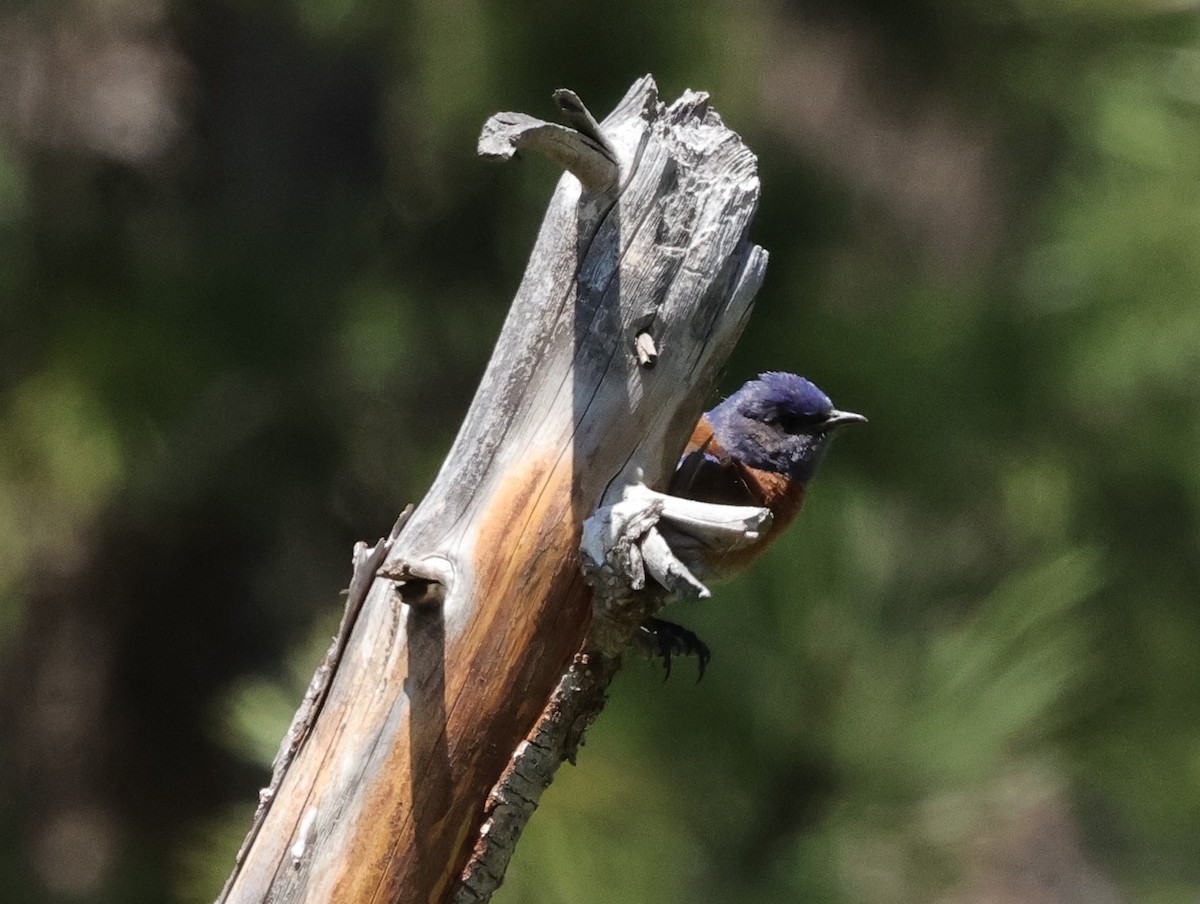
599, 336
429, 753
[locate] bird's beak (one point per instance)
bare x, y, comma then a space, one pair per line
841, 418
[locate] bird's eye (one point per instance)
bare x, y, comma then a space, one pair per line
798, 422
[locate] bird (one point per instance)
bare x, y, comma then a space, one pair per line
761, 446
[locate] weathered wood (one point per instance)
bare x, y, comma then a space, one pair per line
481, 605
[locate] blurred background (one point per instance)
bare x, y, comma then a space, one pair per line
251, 271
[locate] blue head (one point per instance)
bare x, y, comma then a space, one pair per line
779, 422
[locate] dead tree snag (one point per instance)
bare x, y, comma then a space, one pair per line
467, 636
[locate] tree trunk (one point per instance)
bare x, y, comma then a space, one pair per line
639, 284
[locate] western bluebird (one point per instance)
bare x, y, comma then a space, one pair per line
760, 447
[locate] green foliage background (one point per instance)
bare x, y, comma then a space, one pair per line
970, 673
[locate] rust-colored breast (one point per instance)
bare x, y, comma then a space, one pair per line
709, 473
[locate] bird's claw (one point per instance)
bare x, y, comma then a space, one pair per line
661, 639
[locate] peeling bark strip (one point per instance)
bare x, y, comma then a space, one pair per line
576, 701
467, 641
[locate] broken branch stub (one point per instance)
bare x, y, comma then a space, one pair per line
400, 781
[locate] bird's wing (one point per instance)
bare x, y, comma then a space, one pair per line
708, 473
